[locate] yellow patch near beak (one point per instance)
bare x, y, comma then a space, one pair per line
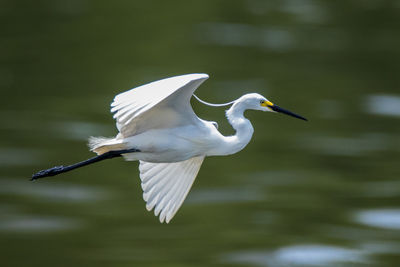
267, 104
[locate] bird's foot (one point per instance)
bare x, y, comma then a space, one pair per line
49, 172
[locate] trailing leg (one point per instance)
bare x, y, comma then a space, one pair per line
60, 169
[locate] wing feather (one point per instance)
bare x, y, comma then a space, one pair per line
166, 185
163, 103
161, 190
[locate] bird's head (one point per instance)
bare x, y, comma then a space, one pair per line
258, 102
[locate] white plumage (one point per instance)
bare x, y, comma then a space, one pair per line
158, 120
165, 185
160, 104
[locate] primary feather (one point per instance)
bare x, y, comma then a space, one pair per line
159, 104
165, 185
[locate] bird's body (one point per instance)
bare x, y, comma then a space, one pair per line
172, 145
201, 138
171, 131
158, 127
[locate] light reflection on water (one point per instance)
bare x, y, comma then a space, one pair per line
387, 105
383, 218
299, 255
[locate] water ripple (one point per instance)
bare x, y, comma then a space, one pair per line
19, 157
346, 146
304, 10
226, 195
382, 218
298, 255
230, 34
57, 192
386, 105
78, 130
40, 224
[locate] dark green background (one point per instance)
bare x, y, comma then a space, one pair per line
322, 193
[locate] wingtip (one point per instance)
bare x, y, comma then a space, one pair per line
198, 76
204, 75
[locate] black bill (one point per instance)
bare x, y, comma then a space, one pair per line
287, 112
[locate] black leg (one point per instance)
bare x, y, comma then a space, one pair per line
60, 169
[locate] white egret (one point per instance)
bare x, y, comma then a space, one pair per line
158, 127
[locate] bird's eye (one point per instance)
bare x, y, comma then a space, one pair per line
262, 101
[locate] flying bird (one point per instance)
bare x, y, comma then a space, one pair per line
158, 127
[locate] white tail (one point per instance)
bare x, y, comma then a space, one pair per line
101, 145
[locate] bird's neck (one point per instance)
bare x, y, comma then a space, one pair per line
243, 127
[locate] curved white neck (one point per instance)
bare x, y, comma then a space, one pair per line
243, 127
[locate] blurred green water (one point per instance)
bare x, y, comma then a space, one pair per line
322, 193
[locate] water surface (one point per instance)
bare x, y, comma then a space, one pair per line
318, 193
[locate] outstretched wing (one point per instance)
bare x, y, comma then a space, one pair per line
160, 104
165, 185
